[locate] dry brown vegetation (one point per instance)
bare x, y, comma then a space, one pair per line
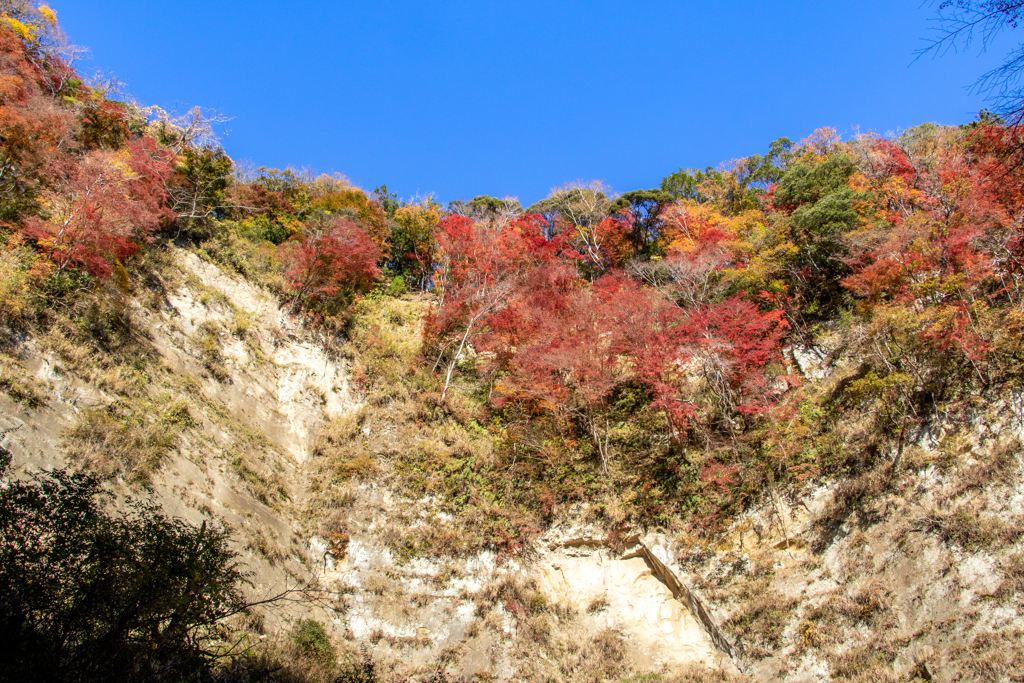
208, 346
693, 674
759, 623
971, 529
130, 437
1013, 577
992, 657
261, 477
17, 382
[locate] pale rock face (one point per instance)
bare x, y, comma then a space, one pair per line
308, 387
980, 576
624, 594
305, 368
811, 670
637, 603
812, 363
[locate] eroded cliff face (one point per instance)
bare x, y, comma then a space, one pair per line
218, 408
912, 575
246, 391
511, 618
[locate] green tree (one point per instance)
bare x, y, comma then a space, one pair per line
87, 594
413, 241
642, 208
388, 201
196, 190
689, 183
738, 188
822, 209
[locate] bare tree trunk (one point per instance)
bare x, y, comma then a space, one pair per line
455, 360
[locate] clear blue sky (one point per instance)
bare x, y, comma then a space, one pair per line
463, 98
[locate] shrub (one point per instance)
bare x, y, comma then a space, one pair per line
358, 670
311, 639
396, 287
87, 594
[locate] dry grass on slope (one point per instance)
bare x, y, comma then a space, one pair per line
401, 438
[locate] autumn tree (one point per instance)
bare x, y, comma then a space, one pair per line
413, 241
492, 211
103, 207
732, 343
478, 274
289, 188
567, 356
820, 207
198, 191
331, 258
34, 129
357, 206
695, 239
936, 252
578, 210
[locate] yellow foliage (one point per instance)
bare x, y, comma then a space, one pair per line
20, 270
893, 197
24, 31
48, 14
328, 184
765, 269
1009, 330
422, 216
118, 162
121, 277
686, 222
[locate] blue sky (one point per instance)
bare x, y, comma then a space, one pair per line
463, 98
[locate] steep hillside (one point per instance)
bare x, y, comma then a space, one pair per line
762, 423
199, 392
213, 401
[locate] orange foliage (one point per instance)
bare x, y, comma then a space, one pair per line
370, 215
688, 225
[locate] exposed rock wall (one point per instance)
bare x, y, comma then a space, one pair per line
635, 592
481, 613
918, 576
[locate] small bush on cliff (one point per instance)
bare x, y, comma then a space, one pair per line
311, 639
